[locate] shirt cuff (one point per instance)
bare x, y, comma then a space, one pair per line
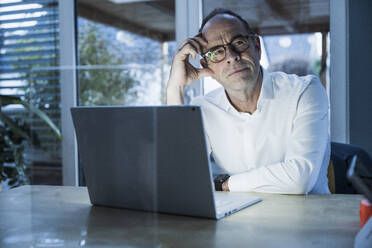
237, 183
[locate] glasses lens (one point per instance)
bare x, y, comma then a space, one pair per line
217, 54
240, 44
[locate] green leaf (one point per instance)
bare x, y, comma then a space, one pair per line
8, 125
6, 100
13, 126
44, 117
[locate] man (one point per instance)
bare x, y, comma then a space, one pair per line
267, 131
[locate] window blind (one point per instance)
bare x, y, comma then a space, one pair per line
29, 60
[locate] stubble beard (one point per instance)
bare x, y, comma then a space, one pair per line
247, 82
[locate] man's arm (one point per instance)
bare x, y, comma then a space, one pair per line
175, 94
299, 171
182, 72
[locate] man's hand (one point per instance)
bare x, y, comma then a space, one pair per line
182, 72
225, 185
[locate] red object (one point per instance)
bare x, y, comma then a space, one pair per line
365, 211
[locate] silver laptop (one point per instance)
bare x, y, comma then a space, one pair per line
152, 159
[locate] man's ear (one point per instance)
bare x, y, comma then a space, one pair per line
258, 46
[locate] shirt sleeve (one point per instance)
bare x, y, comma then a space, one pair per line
305, 150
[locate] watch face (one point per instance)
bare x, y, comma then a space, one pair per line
221, 178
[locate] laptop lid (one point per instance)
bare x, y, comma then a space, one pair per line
146, 158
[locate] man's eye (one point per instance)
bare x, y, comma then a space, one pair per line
218, 51
239, 43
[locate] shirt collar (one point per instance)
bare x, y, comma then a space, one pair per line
265, 94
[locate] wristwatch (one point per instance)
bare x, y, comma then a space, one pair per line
219, 180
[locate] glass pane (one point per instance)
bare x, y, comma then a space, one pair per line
294, 34
125, 49
30, 151
294, 54
119, 65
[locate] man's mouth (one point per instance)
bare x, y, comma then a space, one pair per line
238, 70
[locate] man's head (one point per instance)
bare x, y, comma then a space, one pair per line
238, 69
220, 11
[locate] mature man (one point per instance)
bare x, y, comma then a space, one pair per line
267, 131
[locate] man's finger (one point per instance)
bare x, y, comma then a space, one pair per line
191, 49
201, 39
200, 34
182, 45
193, 43
196, 44
203, 47
189, 41
187, 50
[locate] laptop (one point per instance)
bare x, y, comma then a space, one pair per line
151, 159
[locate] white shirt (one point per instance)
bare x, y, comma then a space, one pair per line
283, 147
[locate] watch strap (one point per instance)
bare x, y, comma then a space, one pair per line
219, 180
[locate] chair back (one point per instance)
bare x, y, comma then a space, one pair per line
341, 155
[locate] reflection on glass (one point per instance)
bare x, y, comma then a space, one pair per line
29, 57
294, 34
118, 66
294, 54
299, 54
125, 49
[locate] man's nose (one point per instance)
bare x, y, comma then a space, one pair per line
231, 55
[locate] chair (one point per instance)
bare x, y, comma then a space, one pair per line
341, 155
331, 177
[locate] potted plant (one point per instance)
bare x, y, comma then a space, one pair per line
15, 136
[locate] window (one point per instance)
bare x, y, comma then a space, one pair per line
294, 34
29, 59
124, 52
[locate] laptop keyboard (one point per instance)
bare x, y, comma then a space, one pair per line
228, 203
221, 203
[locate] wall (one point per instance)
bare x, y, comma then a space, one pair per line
360, 68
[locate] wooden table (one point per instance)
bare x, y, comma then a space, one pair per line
57, 216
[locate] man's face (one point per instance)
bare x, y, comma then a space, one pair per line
238, 70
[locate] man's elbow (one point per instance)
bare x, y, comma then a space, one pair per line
301, 180
299, 187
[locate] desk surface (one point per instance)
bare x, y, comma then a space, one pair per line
56, 216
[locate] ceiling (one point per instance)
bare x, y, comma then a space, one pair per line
156, 18
153, 19
273, 17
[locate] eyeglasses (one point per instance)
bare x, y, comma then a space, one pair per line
218, 53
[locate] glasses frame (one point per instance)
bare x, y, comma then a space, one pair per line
204, 55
